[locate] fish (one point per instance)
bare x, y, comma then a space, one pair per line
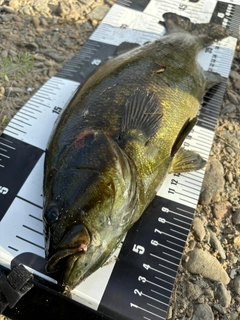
116, 141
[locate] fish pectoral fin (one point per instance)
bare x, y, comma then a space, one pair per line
185, 161
212, 78
141, 116
183, 133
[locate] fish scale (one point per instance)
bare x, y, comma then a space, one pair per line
152, 249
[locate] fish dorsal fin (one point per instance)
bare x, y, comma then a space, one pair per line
141, 116
186, 128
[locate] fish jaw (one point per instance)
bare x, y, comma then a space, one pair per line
75, 242
79, 266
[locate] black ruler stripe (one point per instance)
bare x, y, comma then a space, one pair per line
16, 129
24, 109
21, 121
21, 117
33, 230
28, 106
30, 242
15, 173
36, 218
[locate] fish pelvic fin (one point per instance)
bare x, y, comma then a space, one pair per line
185, 161
207, 32
141, 116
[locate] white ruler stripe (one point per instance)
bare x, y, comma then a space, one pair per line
41, 111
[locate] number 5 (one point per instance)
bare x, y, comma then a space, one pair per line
138, 249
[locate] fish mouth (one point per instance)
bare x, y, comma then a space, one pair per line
75, 242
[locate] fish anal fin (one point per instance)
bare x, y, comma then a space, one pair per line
141, 116
185, 161
183, 133
212, 79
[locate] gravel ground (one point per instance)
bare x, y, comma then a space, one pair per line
40, 36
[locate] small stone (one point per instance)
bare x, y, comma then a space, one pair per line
216, 244
232, 97
15, 90
87, 2
51, 72
54, 55
229, 175
203, 263
6, 18
234, 75
14, 4
55, 38
4, 53
220, 209
232, 258
2, 92
213, 182
170, 313
198, 228
236, 285
8, 9
234, 315
36, 22
222, 295
17, 18
98, 13
237, 85
42, 7
236, 241
32, 46
63, 8
236, 216
12, 53
229, 108
219, 308
209, 293
233, 273
230, 138
94, 22
44, 22
203, 311
192, 291
191, 244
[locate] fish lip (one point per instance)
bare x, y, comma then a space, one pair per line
52, 264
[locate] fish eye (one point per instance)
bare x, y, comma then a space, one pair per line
52, 213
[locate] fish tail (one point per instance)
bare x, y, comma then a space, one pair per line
206, 32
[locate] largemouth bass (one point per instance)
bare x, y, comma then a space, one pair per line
116, 141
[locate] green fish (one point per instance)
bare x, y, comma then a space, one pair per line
116, 141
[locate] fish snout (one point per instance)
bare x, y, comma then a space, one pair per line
75, 241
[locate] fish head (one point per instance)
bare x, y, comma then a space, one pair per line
88, 201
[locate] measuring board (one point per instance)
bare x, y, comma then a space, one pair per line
137, 281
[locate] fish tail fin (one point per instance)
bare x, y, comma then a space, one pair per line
207, 32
